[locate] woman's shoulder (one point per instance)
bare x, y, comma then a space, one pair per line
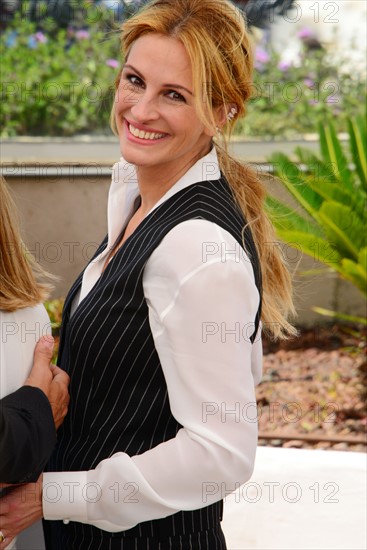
200, 238
193, 245
36, 313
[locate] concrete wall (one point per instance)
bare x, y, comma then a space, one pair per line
63, 221
63, 213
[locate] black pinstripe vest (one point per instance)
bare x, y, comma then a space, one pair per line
119, 399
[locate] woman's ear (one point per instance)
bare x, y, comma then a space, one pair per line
221, 116
225, 113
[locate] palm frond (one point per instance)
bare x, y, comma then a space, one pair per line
358, 140
331, 192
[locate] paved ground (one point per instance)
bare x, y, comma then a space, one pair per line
297, 499
301, 500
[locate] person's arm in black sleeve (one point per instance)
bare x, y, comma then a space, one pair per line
30, 416
27, 435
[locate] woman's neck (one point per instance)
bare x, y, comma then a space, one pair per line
155, 181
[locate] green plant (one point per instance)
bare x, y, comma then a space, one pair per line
331, 191
56, 83
54, 310
291, 99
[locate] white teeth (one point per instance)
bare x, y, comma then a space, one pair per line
144, 135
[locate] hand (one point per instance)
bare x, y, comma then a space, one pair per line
41, 375
50, 379
58, 395
20, 508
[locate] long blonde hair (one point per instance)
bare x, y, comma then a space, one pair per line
219, 46
19, 272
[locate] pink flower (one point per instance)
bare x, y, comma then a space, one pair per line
305, 33
40, 37
284, 66
262, 55
309, 82
112, 63
82, 34
331, 99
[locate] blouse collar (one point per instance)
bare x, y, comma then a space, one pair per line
124, 189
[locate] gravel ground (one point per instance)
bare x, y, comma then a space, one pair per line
314, 389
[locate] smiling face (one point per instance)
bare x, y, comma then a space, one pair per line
155, 111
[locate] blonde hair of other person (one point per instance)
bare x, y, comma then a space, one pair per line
220, 51
20, 274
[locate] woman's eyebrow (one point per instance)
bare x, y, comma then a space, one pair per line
178, 86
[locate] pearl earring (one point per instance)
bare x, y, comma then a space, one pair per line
219, 130
232, 113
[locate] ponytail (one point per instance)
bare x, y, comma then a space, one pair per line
249, 192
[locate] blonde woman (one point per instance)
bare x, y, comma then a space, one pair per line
161, 332
27, 419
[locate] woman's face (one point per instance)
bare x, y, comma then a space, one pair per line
155, 112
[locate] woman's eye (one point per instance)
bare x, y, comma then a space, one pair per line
133, 79
176, 96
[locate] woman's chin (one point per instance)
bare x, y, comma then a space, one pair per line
133, 157
140, 156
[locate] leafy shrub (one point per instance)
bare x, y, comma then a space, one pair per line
290, 100
58, 83
331, 192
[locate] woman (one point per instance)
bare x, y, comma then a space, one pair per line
32, 404
161, 332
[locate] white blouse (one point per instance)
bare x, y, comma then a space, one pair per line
202, 300
20, 332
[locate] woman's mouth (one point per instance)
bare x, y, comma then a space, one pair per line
143, 135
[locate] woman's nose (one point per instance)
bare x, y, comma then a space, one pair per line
145, 108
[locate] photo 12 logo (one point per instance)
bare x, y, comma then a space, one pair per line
271, 492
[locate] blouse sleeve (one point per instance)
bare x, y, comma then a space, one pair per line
202, 300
